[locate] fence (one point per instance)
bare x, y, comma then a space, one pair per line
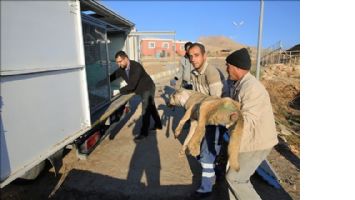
276, 54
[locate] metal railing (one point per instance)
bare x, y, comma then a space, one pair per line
275, 54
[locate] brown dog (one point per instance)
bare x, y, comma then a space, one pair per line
208, 110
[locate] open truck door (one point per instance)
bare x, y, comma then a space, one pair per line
52, 53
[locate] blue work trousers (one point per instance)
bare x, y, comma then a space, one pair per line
210, 148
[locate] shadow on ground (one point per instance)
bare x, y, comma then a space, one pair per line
117, 126
145, 162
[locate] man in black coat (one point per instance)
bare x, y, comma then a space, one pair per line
139, 82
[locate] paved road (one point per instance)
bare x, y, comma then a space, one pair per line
120, 168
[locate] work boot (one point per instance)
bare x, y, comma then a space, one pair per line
139, 137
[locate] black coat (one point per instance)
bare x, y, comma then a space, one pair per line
138, 81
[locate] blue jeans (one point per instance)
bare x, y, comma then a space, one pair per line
210, 148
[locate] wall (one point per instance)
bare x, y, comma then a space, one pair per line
159, 51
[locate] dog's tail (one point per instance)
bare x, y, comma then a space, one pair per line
234, 142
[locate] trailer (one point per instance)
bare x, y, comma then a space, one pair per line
53, 54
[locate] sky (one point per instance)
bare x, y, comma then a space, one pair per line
238, 20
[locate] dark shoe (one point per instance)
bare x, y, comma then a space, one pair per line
200, 195
139, 138
111, 136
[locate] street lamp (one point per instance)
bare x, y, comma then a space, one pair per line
260, 36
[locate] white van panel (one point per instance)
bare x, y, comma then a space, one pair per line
39, 36
39, 112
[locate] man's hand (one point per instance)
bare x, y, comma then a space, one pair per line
115, 92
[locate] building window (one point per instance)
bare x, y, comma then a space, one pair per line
151, 45
182, 47
165, 45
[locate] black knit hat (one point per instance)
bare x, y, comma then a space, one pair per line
240, 59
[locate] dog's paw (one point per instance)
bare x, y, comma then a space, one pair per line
177, 131
234, 166
182, 152
194, 149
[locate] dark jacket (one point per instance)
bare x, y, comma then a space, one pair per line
138, 81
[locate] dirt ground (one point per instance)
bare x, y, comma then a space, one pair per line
119, 168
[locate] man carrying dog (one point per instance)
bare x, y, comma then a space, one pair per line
207, 80
259, 133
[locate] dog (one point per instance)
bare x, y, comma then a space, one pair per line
205, 110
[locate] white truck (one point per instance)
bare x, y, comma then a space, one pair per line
53, 53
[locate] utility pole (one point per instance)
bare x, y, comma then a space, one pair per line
260, 36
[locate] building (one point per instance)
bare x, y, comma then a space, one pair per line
160, 48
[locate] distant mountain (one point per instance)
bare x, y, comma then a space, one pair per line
219, 45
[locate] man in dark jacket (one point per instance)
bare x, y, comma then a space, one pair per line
139, 82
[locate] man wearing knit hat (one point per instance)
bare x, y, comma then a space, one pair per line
259, 134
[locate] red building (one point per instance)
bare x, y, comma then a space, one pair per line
161, 47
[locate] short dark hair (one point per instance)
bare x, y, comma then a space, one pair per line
199, 45
187, 45
121, 54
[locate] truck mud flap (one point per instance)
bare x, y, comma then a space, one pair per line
56, 161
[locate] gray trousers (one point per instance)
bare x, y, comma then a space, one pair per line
239, 182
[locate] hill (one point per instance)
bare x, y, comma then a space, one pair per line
221, 45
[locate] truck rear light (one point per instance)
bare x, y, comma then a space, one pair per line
89, 143
127, 109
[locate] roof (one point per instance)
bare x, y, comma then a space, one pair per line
100, 12
158, 39
164, 39
295, 48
